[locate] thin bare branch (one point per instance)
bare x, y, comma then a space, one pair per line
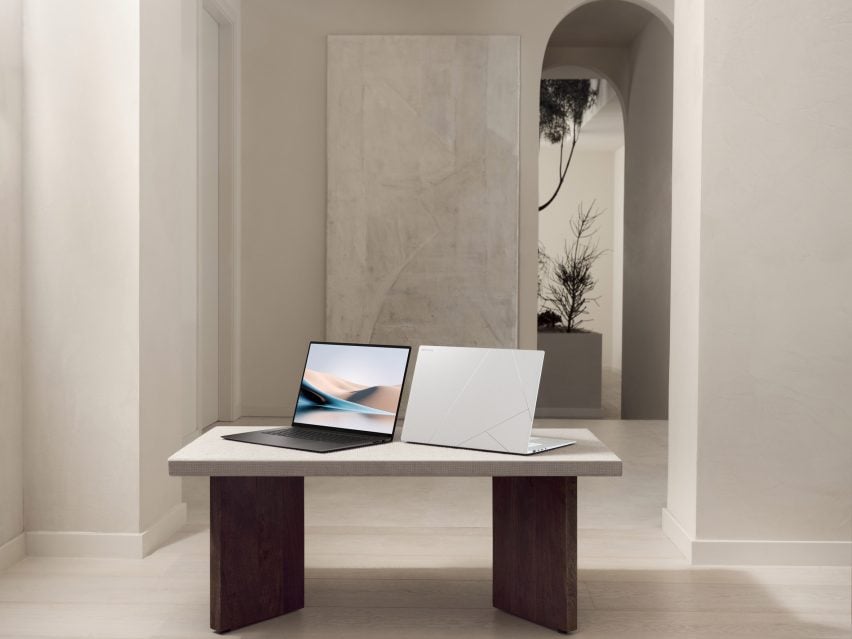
565, 282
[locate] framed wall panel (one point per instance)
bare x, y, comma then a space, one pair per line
422, 241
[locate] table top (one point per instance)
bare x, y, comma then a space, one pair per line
210, 455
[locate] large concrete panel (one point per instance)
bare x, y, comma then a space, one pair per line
423, 189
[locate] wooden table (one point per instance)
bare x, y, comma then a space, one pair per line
257, 529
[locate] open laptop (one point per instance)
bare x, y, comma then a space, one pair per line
349, 397
480, 398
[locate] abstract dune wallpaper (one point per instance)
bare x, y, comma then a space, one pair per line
353, 387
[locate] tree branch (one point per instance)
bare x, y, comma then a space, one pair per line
563, 173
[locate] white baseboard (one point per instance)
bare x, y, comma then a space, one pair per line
760, 552
12, 551
676, 533
164, 529
44, 543
767, 552
280, 410
568, 413
50, 543
191, 436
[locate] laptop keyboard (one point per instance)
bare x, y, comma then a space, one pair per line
299, 433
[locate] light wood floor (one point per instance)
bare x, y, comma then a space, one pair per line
400, 558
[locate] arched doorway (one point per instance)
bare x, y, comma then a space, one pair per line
629, 48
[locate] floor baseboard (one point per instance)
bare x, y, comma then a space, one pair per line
44, 543
766, 552
568, 413
755, 552
12, 551
163, 529
673, 529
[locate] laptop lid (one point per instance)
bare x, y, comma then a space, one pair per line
355, 387
481, 398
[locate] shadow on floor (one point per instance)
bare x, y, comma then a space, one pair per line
415, 595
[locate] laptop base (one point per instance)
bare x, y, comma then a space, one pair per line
537, 445
541, 444
274, 438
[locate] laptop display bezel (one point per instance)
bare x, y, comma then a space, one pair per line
388, 436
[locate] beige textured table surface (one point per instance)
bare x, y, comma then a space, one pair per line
214, 456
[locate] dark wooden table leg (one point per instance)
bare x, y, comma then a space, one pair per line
257, 549
535, 549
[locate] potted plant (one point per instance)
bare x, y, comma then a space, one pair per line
571, 377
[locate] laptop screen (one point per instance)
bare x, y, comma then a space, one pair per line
352, 386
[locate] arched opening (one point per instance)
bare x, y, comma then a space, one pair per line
624, 154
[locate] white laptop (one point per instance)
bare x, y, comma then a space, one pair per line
481, 398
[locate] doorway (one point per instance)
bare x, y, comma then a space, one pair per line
208, 221
579, 312
631, 47
218, 215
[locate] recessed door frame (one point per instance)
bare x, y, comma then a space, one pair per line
227, 17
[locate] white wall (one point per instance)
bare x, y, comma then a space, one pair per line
11, 417
770, 422
647, 227
776, 349
686, 233
284, 178
590, 177
110, 269
81, 265
617, 257
168, 245
611, 63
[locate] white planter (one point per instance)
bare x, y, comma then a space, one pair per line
571, 376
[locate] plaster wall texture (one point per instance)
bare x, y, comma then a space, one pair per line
81, 265
610, 63
687, 123
11, 337
284, 164
775, 357
423, 190
590, 178
168, 245
617, 258
647, 227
